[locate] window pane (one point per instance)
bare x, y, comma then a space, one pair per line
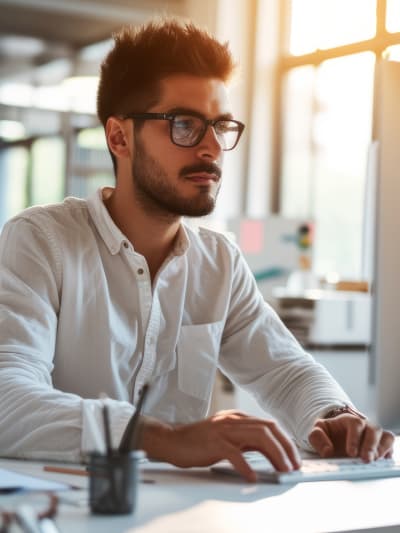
392, 52
84, 186
393, 15
92, 138
327, 151
297, 162
91, 163
13, 173
321, 24
48, 164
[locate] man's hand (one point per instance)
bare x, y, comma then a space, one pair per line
350, 435
222, 436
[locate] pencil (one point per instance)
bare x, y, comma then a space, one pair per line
130, 435
107, 431
70, 471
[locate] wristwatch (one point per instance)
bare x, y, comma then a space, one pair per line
342, 410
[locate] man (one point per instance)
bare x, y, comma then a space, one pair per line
105, 295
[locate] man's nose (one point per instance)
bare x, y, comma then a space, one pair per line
210, 147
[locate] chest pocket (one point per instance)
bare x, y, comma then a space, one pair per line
197, 354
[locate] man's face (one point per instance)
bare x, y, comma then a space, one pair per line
171, 179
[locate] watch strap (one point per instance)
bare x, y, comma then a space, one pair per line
343, 410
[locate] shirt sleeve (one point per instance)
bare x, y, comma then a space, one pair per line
37, 420
261, 355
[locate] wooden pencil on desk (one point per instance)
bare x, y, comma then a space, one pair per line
63, 470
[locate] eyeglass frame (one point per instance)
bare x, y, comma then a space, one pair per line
172, 115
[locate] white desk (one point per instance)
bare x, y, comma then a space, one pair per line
198, 501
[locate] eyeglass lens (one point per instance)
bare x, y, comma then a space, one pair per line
188, 130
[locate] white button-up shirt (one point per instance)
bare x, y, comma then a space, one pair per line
79, 316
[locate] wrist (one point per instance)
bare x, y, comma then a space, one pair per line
155, 437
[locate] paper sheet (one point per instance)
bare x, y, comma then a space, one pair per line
13, 481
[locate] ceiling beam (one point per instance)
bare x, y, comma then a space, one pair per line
114, 11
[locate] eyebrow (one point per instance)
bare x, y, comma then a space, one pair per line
188, 111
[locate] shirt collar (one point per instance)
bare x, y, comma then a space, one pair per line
109, 232
112, 235
181, 242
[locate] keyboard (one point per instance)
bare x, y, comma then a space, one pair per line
316, 469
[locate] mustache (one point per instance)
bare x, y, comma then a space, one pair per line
210, 168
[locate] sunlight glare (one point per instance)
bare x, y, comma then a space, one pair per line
393, 16
322, 24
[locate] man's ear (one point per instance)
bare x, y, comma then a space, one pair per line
117, 137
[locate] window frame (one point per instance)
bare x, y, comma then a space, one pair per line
286, 62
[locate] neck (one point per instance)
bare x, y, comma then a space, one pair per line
152, 236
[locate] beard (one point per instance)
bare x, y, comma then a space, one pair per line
157, 194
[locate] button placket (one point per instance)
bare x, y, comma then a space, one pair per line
149, 351
140, 271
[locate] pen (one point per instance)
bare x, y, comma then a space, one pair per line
70, 471
107, 433
106, 422
130, 436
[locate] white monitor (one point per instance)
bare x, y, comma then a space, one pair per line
385, 350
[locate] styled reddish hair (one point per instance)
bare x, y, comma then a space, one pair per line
142, 56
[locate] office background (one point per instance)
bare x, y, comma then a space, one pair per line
307, 90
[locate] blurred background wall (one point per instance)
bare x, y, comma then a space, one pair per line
305, 91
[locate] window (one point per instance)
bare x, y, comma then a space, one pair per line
13, 181
31, 172
48, 170
323, 24
91, 165
393, 16
326, 79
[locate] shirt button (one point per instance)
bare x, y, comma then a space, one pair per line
140, 271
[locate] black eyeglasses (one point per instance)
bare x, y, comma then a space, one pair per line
188, 129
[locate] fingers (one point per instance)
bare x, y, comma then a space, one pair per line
321, 443
289, 448
352, 436
376, 443
370, 441
241, 466
272, 448
260, 438
270, 440
264, 436
385, 448
361, 439
251, 433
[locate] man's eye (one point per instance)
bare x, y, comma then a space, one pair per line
226, 126
185, 122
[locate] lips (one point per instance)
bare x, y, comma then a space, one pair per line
202, 177
203, 172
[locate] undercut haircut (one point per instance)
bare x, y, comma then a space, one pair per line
142, 56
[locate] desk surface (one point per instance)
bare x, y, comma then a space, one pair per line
198, 501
